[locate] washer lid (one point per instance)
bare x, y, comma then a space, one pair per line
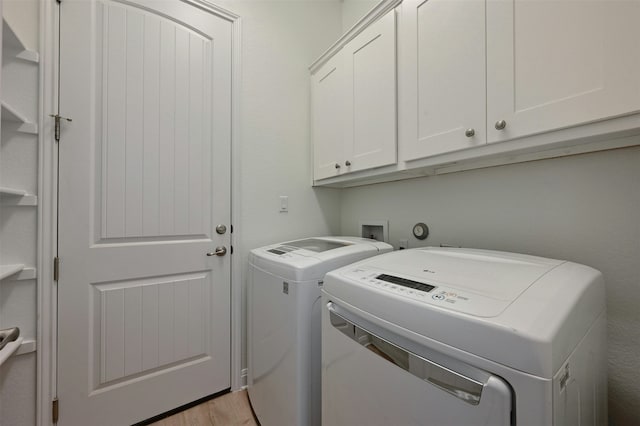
496, 275
311, 258
522, 311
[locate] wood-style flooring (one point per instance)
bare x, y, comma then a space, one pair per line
231, 409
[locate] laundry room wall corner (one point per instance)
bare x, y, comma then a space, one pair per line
279, 41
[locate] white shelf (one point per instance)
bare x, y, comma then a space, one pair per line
17, 197
27, 346
12, 42
8, 270
17, 272
9, 113
10, 349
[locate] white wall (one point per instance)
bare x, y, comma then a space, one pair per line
353, 10
583, 208
279, 41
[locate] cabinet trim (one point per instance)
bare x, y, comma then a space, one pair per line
621, 132
374, 14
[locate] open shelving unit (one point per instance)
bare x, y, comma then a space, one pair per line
19, 126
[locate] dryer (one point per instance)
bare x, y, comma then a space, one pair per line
437, 336
283, 305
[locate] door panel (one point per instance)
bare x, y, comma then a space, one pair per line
370, 382
560, 63
445, 76
327, 92
154, 138
144, 179
370, 98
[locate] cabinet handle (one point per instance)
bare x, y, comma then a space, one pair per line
470, 133
501, 124
347, 163
337, 166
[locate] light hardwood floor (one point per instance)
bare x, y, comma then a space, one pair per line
231, 409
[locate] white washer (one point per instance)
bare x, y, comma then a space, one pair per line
284, 323
439, 336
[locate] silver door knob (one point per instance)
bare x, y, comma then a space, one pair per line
337, 166
221, 229
470, 133
501, 124
347, 163
220, 251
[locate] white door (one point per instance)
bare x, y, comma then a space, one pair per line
143, 312
370, 96
560, 63
327, 93
443, 91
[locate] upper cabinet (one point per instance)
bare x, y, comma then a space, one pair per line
328, 115
370, 96
443, 80
478, 71
556, 64
354, 103
542, 78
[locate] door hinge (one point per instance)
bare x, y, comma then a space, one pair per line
54, 410
57, 118
56, 268
231, 249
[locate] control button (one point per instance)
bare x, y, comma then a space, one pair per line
438, 296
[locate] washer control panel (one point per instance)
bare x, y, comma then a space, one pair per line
410, 287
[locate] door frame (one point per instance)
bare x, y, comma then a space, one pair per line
46, 342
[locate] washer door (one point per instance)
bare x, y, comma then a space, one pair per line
370, 377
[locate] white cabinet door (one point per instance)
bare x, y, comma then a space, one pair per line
556, 64
443, 83
327, 93
370, 96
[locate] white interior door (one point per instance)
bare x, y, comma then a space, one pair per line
143, 312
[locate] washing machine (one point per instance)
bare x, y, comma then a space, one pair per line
283, 311
438, 336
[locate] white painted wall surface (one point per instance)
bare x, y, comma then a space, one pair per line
582, 208
279, 41
353, 10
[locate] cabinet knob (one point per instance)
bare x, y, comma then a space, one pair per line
470, 133
337, 166
347, 163
501, 124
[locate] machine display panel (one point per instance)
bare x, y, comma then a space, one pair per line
274, 251
406, 283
